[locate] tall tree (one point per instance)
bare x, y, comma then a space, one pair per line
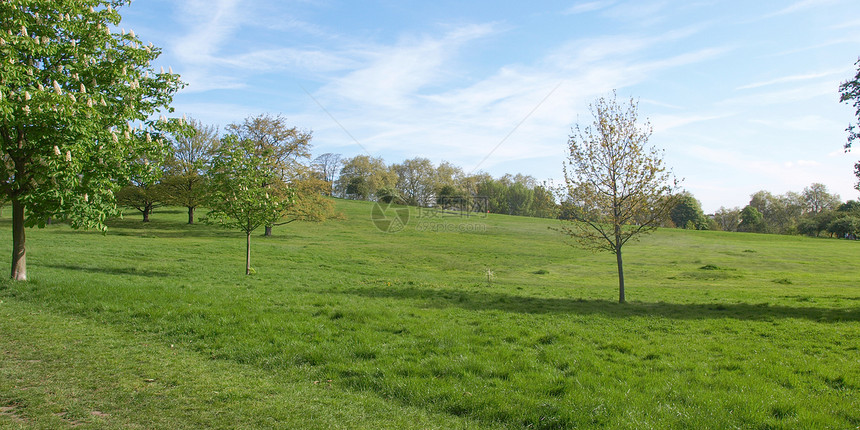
727, 219
416, 180
184, 182
328, 165
850, 93
817, 198
362, 176
75, 108
619, 183
288, 148
245, 191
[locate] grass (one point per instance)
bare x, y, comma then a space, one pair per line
156, 326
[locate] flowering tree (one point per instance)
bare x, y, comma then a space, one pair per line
75, 106
245, 190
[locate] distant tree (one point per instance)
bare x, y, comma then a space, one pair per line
850, 93
73, 98
449, 198
727, 219
614, 178
184, 182
687, 213
328, 165
361, 176
144, 195
543, 205
850, 207
816, 198
245, 189
496, 194
841, 227
309, 201
288, 148
448, 174
416, 180
520, 199
752, 220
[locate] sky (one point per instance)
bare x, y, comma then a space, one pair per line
742, 96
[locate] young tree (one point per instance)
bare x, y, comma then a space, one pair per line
71, 93
244, 189
184, 182
850, 93
620, 185
288, 148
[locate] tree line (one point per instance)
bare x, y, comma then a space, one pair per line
418, 182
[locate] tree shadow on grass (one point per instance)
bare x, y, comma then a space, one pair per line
485, 301
110, 270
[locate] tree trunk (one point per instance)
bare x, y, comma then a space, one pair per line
190, 214
146, 212
248, 254
620, 275
268, 231
19, 251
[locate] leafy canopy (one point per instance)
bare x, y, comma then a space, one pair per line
76, 108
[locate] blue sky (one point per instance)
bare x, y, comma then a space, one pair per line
742, 95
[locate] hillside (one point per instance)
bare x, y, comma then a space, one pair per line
345, 326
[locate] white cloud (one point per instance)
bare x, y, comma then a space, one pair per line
590, 6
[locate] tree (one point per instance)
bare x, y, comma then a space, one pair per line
520, 199
845, 227
287, 148
850, 93
328, 165
543, 205
687, 213
752, 220
362, 175
614, 179
416, 181
184, 183
143, 195
727, 219
76, 103
816, 199
245, 191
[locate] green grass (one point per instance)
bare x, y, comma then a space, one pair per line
722, 330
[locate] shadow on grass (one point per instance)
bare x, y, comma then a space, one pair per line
483, 301
110, 270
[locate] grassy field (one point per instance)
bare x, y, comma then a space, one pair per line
344, 326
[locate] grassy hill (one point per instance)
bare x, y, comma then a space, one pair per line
345, 326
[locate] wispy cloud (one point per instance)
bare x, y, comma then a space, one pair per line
802, 5
794, 78
590, 6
